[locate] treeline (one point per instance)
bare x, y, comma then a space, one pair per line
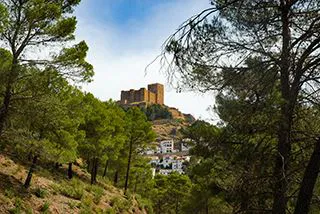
261, 60
44, 119
156, 112
59, 124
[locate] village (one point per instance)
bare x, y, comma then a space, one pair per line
168, 156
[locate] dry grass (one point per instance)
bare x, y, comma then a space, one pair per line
52, 193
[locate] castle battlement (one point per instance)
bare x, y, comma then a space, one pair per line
153, 95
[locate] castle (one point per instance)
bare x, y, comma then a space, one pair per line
153, 95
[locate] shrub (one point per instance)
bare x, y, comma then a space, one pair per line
72, 189
17, 206
86, 204
40, 193
107, 184
120, 204
97, 193
110, 211
156, 111
45, 207
29, 210
73, 204
144, 204
9, 193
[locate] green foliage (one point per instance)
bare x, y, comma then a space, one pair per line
144, 204
73, 204
120, 204
139, 134
139, 130
35, 25
174, 187
97, 192
110, 211
50, 125
156, 111
45, 207
9, 192
40, 193
18, 206
72, 189
74, 59
103, 126
29, 210
86, 205
263, 90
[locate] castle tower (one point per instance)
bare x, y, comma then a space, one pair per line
154, 95
141, 95
158, 90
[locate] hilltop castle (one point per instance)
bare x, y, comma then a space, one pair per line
153, 95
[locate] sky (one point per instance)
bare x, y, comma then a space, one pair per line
124, 36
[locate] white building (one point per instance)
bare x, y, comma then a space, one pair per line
166, 146
165, 171
177, 164
154, 160
166, 162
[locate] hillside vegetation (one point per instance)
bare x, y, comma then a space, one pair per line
52, 192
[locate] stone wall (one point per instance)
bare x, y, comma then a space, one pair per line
158, 90
154, 95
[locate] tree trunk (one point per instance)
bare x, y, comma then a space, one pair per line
309, 181
12, 75
284, 144
88, 165
94, 170
105, 169
115, 180
32, 168
57, 165
135, 184
70, 173
207, 207
280, 175
177, 207
5, 108
128, 168
30, 156
94, 165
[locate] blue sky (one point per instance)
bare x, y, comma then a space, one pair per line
122, 12
124, 36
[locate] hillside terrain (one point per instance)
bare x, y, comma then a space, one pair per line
52, 192
170, 128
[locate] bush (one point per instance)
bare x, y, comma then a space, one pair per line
72, 189
73, 204
107, 184
45, 207
120, 204
144, 204
110, 211
97, 193
28, 210
40, 193
9, 193
17, 206
156, 111
86, 204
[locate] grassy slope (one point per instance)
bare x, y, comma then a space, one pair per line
51, 192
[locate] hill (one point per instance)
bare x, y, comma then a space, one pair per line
170, 128
52, 192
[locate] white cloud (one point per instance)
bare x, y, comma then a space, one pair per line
120, 55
